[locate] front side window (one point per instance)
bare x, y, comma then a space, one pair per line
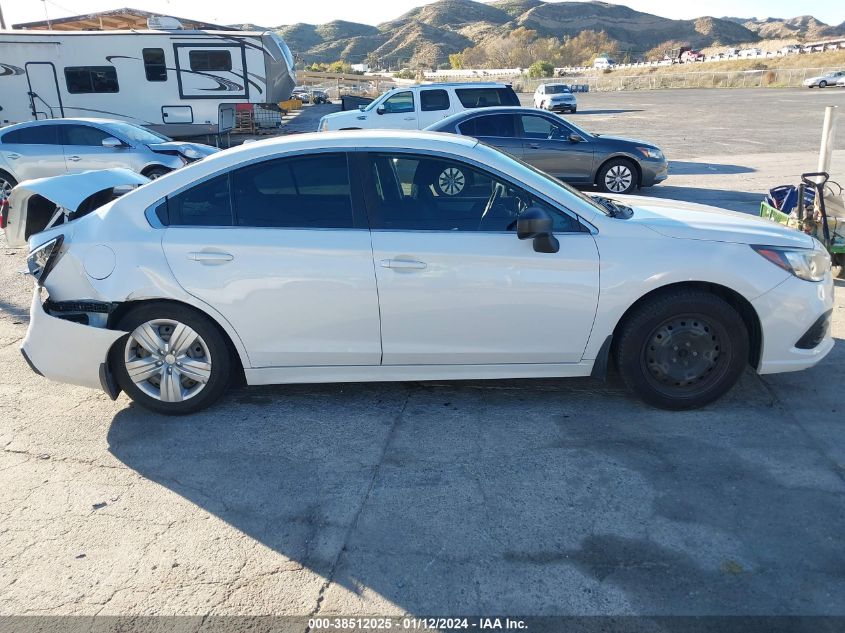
424, 193
302, 192
210, 60
399, 103
434, 100
206, 204
33, 135
539, 127
487, 97
493, 125
83, 135
91, 79
154, 64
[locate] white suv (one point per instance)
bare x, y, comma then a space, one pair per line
417, 107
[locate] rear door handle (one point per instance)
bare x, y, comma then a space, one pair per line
13, 156
403, 264
210, 257
74, 158
534, 145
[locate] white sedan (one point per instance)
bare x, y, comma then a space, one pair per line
823, 81
372, 256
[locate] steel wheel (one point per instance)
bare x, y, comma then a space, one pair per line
683, 353
167, 360
451, 181
618, 178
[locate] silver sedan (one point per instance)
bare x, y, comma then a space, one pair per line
38, 149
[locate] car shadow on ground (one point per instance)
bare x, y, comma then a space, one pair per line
529, 497
604, 111
692, 168
743, 201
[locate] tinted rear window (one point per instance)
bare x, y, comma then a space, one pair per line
433, 100
35, 135
206, 204
486, 97
499, 125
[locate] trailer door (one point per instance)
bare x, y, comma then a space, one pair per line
44, 98
211, 71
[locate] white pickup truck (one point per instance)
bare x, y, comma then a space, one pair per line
417, 107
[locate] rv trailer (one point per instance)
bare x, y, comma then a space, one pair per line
176, 82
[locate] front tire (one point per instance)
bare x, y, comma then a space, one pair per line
617, 176
156, 172
683, 349
173, 361
822, 84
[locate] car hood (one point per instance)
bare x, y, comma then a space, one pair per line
633, 142
687, 220
67, 192
171, 147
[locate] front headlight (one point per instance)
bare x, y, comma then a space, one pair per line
42, 259
809, 265
651, 152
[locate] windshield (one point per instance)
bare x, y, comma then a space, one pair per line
137, 133
565, 188
557, 89
377, 101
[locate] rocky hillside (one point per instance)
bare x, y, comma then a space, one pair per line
804, 27
428, 34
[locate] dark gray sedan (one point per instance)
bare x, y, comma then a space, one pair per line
562, 149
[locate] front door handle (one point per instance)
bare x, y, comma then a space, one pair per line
13, 156
74, 158
409, 118
403, 264
205, 257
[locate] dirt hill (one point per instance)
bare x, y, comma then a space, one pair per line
428, 34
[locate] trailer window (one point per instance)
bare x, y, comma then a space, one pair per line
154, 65
210, 60
88, 79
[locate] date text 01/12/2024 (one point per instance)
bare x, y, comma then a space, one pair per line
318, 625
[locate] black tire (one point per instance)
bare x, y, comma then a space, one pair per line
7, 183
219, 358
630, 185
704, 335
822, 84
156, 172
574, 110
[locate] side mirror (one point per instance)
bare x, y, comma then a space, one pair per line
112, 143
361, 108
380, 110
536, 223
575, 138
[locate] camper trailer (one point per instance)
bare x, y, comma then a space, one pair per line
176, 82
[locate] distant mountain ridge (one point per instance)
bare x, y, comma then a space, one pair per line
427, 35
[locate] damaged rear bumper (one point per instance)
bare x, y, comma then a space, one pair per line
68, 352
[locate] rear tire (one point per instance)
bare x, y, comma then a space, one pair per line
178, 358
682, 349
7, 183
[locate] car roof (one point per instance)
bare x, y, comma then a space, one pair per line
456, 84
474, 112
62, 121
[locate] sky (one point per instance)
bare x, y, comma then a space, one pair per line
270, 13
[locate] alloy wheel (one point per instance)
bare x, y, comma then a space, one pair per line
5, 188
451, 181
167, 360
618, 178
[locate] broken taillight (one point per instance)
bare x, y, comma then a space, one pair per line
4, 212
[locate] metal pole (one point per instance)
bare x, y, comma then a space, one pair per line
828, 136
2, 21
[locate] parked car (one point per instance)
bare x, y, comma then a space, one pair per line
841, 83
52, 147
319, 96
825, 80
562, 149
258, 265
555, 98
415, 107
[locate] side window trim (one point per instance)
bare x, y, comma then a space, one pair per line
359, 213
363, 158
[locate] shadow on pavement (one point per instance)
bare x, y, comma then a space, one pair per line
690, 168
743, 201
530, 497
